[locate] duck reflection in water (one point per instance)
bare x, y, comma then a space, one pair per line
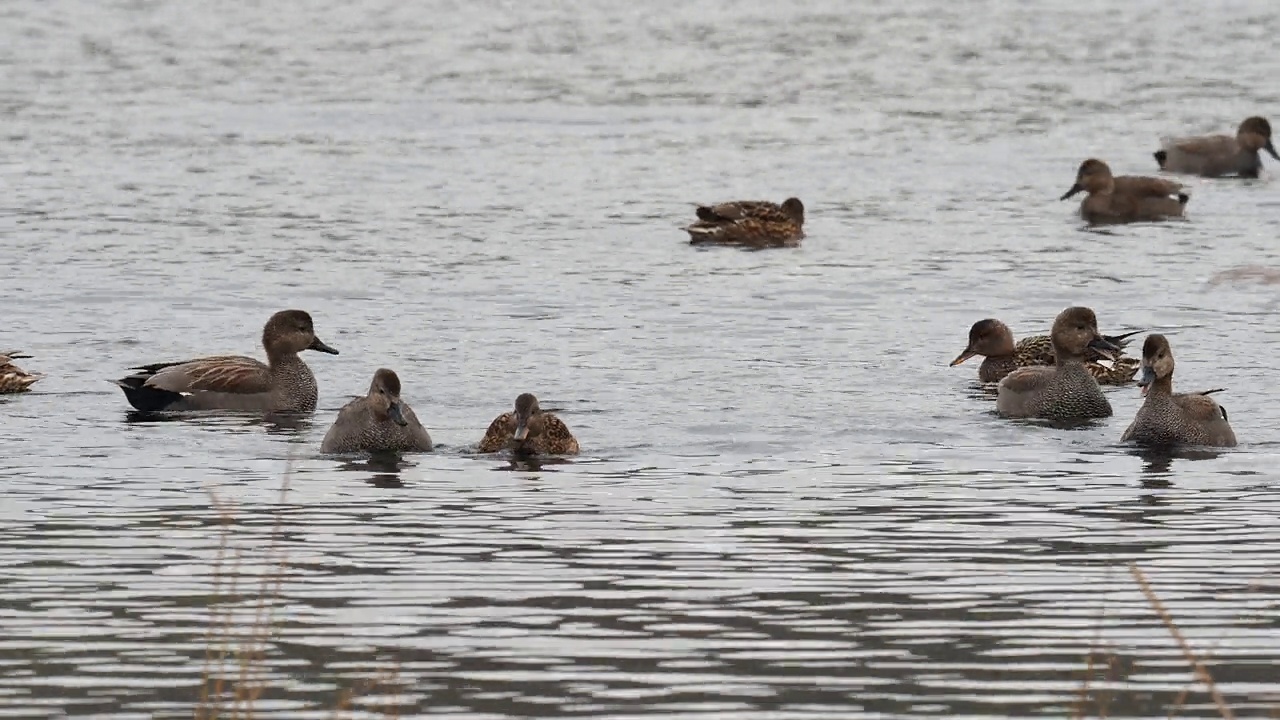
382, 468
1157, 462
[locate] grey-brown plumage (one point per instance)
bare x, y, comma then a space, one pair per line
378, 422
1167, 418
1065, 391
1219, 155
232, 382
529, 430
1125, 199
14, 379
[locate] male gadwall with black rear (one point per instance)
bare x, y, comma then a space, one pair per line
14, 379
229, 382
528, 430
749, 223
1219, 155
994, 340
1065, 391
378, 422
1125, 199
1167, 418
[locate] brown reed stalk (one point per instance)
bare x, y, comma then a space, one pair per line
1197, 666
253, 650
220, 616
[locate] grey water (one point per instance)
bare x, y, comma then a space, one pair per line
787, 506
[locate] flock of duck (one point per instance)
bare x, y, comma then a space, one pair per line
1053, 377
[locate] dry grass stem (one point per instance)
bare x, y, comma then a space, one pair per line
1201, 671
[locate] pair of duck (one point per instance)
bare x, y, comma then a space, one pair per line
1068, 389
381, 421
1128, 198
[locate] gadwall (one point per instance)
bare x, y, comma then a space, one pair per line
1167, 418
994, 340
1065, 391
378, 422
14, 379
1219, 155
1125, 199
229, 382
529, 430
750, 223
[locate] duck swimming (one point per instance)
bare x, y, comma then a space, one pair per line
1065, 391
1125, 199
749, 223
1167, 418
284, 384
528, 430
1219, 155
994, 340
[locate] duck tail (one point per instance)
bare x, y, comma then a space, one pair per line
144, 397
1161, 157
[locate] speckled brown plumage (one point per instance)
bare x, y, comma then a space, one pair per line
14, 379
994, 340
749, 223
547, 434
1167, 418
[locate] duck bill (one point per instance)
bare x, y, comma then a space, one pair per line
968, 353
1074, 189
522, 431
1105, 347
1271, 150
318, 345
396, 413
1146, 376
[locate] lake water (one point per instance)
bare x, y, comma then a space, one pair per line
788, 505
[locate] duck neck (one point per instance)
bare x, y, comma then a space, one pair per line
1000, 365
1064, 359
1163, 386
277, 358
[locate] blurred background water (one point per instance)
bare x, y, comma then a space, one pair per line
788, 505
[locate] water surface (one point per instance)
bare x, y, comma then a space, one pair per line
788, 506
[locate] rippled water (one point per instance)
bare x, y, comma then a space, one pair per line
788, 506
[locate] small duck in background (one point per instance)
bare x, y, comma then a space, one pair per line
1066, 390
1219, 155
14, 379
1125, 199
528, 430
749, 223
1167, 418
378, 422
994, 340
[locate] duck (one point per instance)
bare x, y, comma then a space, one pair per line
529, 430
14, 379
1125, 199
1219, 155
994, 340
1169, 419
378, 422
284, 384
1066, 390
749, 223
